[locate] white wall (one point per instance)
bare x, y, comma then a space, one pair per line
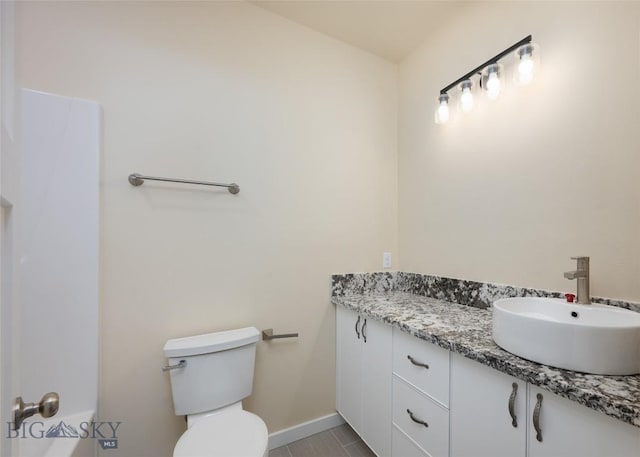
508, 193
304, 124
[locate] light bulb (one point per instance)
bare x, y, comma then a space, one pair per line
442, 111
493, 86
466, 99
525, 69
526, 65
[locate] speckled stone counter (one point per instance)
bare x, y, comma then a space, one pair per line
466, 330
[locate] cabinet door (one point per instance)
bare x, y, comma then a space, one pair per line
569, 429
349, 367
481, 421
376, 386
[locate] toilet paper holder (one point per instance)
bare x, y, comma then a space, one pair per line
268, 335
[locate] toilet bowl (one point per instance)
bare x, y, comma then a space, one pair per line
210, 375
230, 434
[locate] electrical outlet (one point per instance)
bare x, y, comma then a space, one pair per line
386, 260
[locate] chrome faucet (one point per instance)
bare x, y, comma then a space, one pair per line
582, 275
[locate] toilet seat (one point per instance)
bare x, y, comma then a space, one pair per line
228, 434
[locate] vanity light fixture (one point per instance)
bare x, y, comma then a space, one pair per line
490, 77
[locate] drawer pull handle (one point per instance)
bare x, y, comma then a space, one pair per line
512, 405
364, 335
357, 332
536, 417
416, 363
414, 419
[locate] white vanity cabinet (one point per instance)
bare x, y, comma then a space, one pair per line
482, 403
568, 429
488, 411
363, 377
409, 398
482, 425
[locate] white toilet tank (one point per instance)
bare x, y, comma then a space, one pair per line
218, 370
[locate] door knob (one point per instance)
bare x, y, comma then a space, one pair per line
47, 407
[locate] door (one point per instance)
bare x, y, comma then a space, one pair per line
49, 161
363, 377
349, 366
488, 414
566, 429
377, 353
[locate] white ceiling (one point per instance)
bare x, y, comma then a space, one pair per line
388, 28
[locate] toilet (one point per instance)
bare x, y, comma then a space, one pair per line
210, 376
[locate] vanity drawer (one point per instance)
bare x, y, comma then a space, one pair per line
433, 438
434, 381
402, 446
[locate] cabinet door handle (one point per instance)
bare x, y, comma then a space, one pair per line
364, 335
416, 420
536, 417
416, 363
512, 404
357, 332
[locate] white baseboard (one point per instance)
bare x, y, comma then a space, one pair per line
297, 432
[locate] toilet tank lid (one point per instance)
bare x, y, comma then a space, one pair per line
211, 342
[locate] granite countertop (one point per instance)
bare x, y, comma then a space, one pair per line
467, 331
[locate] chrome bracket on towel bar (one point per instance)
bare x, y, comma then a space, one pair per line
268, 335
136, 180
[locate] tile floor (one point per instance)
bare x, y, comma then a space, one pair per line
341, 441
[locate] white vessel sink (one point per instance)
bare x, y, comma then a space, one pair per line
595, 339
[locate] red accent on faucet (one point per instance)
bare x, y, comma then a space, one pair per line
570, 297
